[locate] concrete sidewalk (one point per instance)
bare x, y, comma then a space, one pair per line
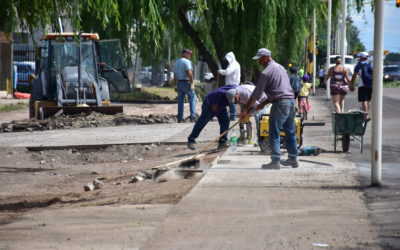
238, 205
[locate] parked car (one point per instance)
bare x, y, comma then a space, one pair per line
209, 77
23, 70
391, 73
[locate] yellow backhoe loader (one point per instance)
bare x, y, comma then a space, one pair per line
75, 75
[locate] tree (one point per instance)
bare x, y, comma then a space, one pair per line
35, 15
392, 58
353, 40
214, 27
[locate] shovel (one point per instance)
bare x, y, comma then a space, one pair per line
194, 160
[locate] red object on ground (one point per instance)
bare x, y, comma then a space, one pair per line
20, 95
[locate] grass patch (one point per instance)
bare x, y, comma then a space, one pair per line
394, 84
146, 94
12, 107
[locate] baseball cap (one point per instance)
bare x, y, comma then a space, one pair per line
363, 54
230, 95
262, 52
187, 51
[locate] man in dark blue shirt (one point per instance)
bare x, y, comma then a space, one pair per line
214, 104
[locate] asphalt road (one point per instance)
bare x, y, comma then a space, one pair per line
383, 202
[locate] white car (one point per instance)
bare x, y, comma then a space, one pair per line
209, 77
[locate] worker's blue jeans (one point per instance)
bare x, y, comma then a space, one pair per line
282, 116
184, 89
205, 117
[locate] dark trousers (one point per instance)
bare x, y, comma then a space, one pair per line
205, 117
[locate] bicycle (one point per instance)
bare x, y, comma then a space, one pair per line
303, 107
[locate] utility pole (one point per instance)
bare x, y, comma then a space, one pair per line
314, 50
343, 32
328, 47
376, 147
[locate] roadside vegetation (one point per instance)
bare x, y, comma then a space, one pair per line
394, 84
154, 94
12, 107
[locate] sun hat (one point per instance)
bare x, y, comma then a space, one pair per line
262, 52
363, 54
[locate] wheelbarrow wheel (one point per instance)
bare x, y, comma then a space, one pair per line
345, 142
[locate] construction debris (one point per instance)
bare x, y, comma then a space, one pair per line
96, 184
83, 120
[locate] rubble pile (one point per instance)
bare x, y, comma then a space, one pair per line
83, 120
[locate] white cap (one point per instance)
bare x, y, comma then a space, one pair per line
363, 54
262, 52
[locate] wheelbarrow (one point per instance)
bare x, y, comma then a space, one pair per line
346, 125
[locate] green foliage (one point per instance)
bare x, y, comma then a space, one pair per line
152, 27
353, 39
394, 84
34, 15
12, 107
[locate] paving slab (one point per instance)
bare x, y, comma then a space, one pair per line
90, 227
153, 133
238, 205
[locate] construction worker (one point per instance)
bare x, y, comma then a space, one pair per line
241, 95
232, 76
214, 104
274, 82
183, 79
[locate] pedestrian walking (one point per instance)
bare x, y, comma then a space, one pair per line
274, 82
183, 79
339, 84
295, 81
232, 76
364, 69
322, 77
214, 104
304, 92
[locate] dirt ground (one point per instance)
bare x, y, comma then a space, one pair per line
37, 179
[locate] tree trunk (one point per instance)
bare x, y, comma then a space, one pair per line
194, 35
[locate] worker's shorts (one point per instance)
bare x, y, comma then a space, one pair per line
364, 94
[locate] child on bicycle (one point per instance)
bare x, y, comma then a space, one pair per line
305, 90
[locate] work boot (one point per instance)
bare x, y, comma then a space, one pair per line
181, 120
191, 146
272, 165
222, 145
294, 163
193, 119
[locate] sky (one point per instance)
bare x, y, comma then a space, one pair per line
364, 21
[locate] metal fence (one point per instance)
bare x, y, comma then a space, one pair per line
23, 64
